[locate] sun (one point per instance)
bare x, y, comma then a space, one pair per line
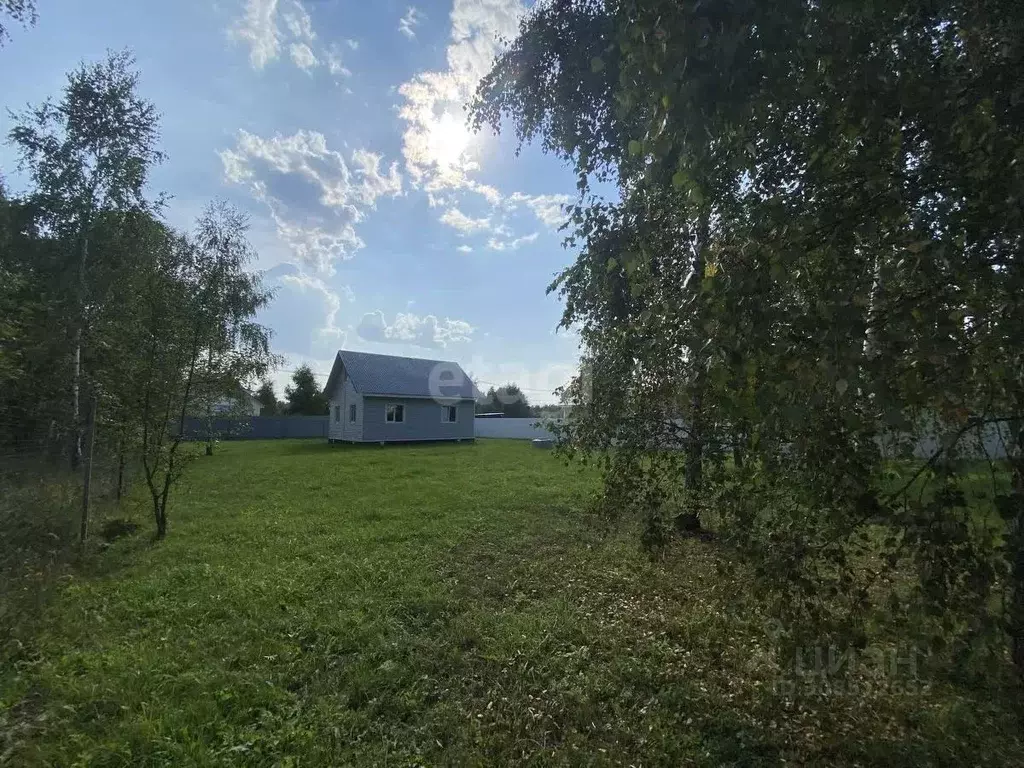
447, 140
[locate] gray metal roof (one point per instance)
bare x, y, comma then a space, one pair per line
402, 376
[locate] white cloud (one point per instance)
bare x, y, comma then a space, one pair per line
408, 23
464, 249
316, 218
334, 62
374, 185
265, 26
437, 144
303, 56
353, 44
408, 328
298, 22
490, 194
510, 245
456, 219
332, 300
547, 208
258, 28
314, 245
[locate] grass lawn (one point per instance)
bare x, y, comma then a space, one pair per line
433, 605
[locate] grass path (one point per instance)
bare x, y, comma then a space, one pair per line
434, 605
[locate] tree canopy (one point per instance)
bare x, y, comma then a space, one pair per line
508, 399
114, 324
21, 11
814, 257
267, 399
304, 397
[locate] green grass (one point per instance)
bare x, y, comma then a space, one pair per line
433, 605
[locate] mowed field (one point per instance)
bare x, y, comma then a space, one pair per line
434, 605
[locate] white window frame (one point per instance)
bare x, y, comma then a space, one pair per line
352, 413
388, 411
449, 409
337, 414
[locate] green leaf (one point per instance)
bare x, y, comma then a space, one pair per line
596, 64
841, 386
612, 263
679, 180
635, 147
666, 101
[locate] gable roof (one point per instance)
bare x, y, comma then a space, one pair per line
401, 376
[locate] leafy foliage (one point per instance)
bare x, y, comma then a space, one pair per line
815, 261
198, 338
304, 397
267, 399
89, 155
508, 399
22, 11
106, 303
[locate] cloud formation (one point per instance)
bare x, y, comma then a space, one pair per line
258, 29
496, 244
334, 63
426, 331
456, 219
408, 23
315, 199
303, 56
266, 25
332, 300
297, 20
549, 209
436, 142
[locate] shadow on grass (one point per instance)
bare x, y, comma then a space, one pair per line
661, 662
40, 551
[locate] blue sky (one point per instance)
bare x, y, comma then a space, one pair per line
338, 125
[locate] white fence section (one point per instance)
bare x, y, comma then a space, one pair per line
992, 442
516, 429
989, 441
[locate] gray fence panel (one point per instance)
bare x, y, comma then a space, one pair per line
259, 428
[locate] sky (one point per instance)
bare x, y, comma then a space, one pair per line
383, 224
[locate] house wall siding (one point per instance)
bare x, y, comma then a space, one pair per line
422, 421
343, 396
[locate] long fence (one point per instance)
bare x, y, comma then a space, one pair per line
258, 427
276, 427
990, 443
516, 429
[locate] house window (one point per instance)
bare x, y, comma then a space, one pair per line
394, 414
449, 414
337, 414
352, 413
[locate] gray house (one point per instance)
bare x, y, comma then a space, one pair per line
381, 399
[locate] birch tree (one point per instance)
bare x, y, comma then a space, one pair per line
88, 153
857, 311
198, 335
